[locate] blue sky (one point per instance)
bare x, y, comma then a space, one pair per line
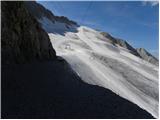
136, 21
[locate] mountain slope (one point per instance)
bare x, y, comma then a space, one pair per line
115, 68
99, 61
147, 56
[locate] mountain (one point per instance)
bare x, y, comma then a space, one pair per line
147, 56
23, 39
56, 24
90, 77
100, 59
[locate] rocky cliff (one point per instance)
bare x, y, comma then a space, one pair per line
23, 39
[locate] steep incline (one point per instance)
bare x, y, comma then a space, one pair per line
100, 63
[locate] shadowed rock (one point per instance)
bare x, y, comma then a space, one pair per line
23, 39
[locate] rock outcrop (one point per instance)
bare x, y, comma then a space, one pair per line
23, 39
147, 56
120, 42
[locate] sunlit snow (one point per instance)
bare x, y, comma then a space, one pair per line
100, 63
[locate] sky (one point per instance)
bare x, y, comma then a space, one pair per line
135, 21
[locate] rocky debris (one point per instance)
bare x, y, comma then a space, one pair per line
23, 39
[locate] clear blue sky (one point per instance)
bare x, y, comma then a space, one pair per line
136, 21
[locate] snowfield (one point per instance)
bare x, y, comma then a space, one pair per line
100, 63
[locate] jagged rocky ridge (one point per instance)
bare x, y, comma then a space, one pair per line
23, 39
140, 52
120, 42
39, 12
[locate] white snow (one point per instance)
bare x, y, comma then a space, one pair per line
100, 63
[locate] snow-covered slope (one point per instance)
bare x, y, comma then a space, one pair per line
98, 62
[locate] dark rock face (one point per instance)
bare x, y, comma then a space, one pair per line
23, 39
39, 12
147, 56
